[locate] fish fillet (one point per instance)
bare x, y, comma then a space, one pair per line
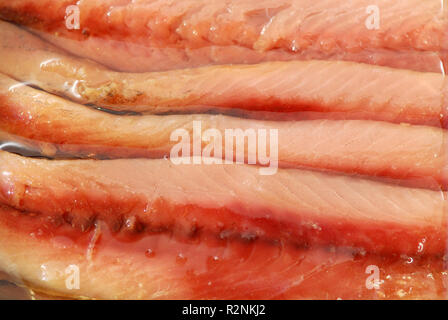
296, 206
318, 86
130, 57
164, 267
354, 146
159, 35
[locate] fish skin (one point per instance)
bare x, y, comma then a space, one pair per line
355, 146
210, 268
340, 87
161, 35
297, 206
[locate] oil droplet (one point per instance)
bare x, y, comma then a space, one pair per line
181, 259
44, 273
294, 46
150, 253
420, 247
74, 89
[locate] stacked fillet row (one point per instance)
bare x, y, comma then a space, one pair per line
362, 149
